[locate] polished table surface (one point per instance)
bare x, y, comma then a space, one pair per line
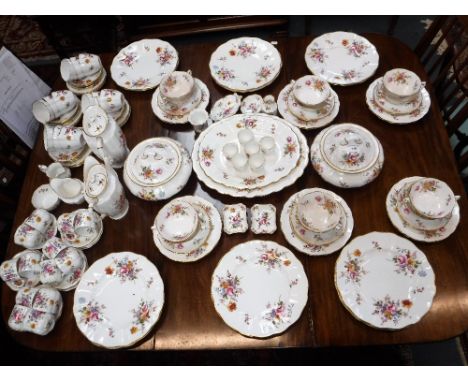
189, 320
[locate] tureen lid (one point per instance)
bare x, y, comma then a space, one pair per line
176, 221
432, 198
311, 90
349, 148
402, 82
95, 121
176, 85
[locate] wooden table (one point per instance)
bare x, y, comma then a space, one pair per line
189, 320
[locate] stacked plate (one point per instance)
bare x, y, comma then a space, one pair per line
308, 103
316, 221
283, 163
347, 155
157, 168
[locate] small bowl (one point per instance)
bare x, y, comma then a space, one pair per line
311, 91
432, 198
177, 221
401, 85
318, 212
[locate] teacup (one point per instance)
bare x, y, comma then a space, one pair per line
55, 105
18, 317
86, 82
177, 221
432, 198
47, 300
69, 259
199, 119
401, 85
9, 272
29, 237
86, 222
25, 297
53, 247
112, 101
178, 93
41, 220
81, 66
38, 322
29, 264
50, 273
63, 143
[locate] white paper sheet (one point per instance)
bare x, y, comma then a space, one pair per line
19, 89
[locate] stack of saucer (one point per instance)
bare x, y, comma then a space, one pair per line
398, 97
111, 101
316, 221
423, 209
187, 229
83, 73
178, 94
308, 103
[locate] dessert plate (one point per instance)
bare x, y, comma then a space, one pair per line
245, 64
384, 280
225, 107
142, 64
342, 58
248, 309
118, 300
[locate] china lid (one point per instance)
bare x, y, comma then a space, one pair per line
176, 221
95, 121
153, 162
318, 212
177, 85
311, 91
349, 148
402, 82
432, 198
96, 181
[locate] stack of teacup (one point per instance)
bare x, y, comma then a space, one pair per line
36, 229
81, 228
83, 73
111, 101
23, 270
426, 204
59, 108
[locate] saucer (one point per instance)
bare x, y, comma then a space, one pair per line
309, 114
391, 107
189, 105
69, 119
97, 86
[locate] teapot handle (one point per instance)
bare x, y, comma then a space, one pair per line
100, 149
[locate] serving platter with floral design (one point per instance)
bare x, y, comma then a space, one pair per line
384, 280
342, 58
245, 64
118, 300
142, 64
248, 309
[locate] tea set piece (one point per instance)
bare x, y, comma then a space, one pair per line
236, 176
104, 136
253, 103
44, 197
36, 310
112, 322
81, 228
141, 65
60, 107
248, 309
245, 64
178, 94
342, 58
111, 101
316, 221
23, 270
199, 119
384, 281
102, 189
347, 155
69, 190
187, 229
235, 218
157, 169
306, 117
83, 73
263, 219
36, 229
61, 265
399, 97
225, 107
55, 170
269, 105
404, 214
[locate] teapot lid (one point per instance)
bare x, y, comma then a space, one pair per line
95, 121
96, 181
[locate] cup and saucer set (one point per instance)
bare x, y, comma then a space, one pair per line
81, 228
398, 97
423, 209
83, 73
111, 101
308, 103
178, 94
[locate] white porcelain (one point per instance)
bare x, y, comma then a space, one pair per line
317, 211
309, 114
55, 170
269, 105
22, 270
86, 222
320, 245
395, 108
69, 190
179, 119
81, 66
240, 161
252, 104
245, 64
259, 122
225, 107
44, 197
432, 198
311, 91
259, 311
177, 221
103, 190
112, 322
401, 85
235, 218
230, 150
55, 105
104, 137
342, 174
384, 281
90, 230
111, 101
142, 64
257, 162
263, 219
252, 148
87, 81
199, 119
36, 229
342, 58
245, 136
157, 168
88, 84
319, 119
178, 93
65, 144
410, 231
396, 117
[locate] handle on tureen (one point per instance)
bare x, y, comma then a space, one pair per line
153, 228
457, 197
274, 42
238, 97
42, 168
189, 72
292, 82
423, 84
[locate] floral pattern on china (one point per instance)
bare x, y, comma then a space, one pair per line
384, 280
245, 64
432, 198
263, 218
235, 218
114, 323
142, 64
253, 311
342, 58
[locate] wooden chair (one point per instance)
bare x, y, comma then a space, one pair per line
443, 52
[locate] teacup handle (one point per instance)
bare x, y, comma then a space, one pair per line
153, 228
423, 84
